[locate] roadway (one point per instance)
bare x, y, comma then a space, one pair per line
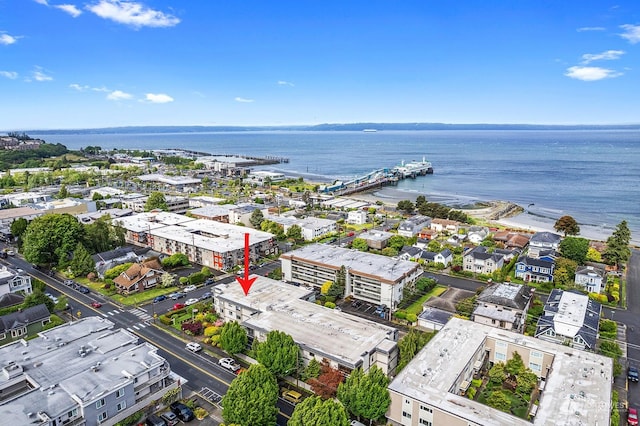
201, 370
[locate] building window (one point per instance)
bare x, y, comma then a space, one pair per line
405, 414
71, 414
121, 406
19, 332
500, 356
100, 403
425, 408
102, 417
425, 422
120, 393
535, 367
536, 354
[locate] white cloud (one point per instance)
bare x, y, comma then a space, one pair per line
118, 95
590, 29
7, 39
44, 2
631, 33
244, 100
100, 89
78, 87
70, 9
158, 98
131, 13
591, 73
604, 56
39, 75
285, 83
9, 74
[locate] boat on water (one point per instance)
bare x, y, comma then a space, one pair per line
370, 130
414, 168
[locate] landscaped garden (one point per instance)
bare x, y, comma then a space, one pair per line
508, 387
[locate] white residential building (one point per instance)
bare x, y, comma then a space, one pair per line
311, 227
85, 372
413, 225
590, 278
357, 217
369, 277
344, 341
12, 281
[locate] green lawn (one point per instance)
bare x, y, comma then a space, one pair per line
416, 307
134, 299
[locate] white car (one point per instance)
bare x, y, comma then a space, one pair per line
193, 347
191, 301
190, 288
229, 364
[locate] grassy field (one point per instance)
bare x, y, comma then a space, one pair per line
416, 307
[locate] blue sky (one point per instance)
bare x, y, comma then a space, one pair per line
103, 63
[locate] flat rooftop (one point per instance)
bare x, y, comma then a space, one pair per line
57, 370
318, 329
577, 390
385, 268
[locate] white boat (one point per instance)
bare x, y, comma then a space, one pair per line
370, 130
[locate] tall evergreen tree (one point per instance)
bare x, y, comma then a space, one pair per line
233, 338
279, 353
618, 251
319, 412
251, 398
156, 200
82, 263
365, 395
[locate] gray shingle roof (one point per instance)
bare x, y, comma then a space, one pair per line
24, 317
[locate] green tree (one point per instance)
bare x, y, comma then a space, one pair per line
575, 248
389, 251
294, 232
410, 345
102, 235
617, 251
406, 206
567, 225
155, 201
594, 255
279, 353
233, 338
175, 260
256, 218
168, 279
335, 290
37, 298
251, 398
51, 239
319, 412
81, 263
111, 273
499, 400
365, 395
514, 366
360, 244
397, 242
564, 272
63, 192
18, 227
61, 304
497, 374
311, 371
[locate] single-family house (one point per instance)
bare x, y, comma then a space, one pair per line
23, 323
427, 234
511, 240
376, 239
507, 254
476, 234
139, 277
543, 240
413, 225
445, 225
409, 253
503, 305
357, 217
570, 317
445, 257
480, 261
13, 281
457, 239
590, 278
534, 270
109, 259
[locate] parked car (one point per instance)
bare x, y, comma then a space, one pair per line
191, 301
83, 289
159, 298
178, 306
96, 304
356, 304
69, 282
189, 288
209, 281
183, 412
632, 374
632, 417
10, 252
176, 296
351, 234
153, 420
170, 418
356, 423
206, 296
291, 396
229, 364
193, 347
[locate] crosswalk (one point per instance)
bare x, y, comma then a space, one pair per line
139, 312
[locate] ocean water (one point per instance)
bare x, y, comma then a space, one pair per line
592, 175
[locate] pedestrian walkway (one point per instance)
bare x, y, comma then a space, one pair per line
141, 313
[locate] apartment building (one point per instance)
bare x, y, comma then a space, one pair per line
369, 277
343, 341
82, 373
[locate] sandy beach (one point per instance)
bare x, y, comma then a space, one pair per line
500, 213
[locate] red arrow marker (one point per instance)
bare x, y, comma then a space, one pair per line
245, 281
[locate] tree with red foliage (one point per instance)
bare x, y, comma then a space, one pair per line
194, 328
326, 385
